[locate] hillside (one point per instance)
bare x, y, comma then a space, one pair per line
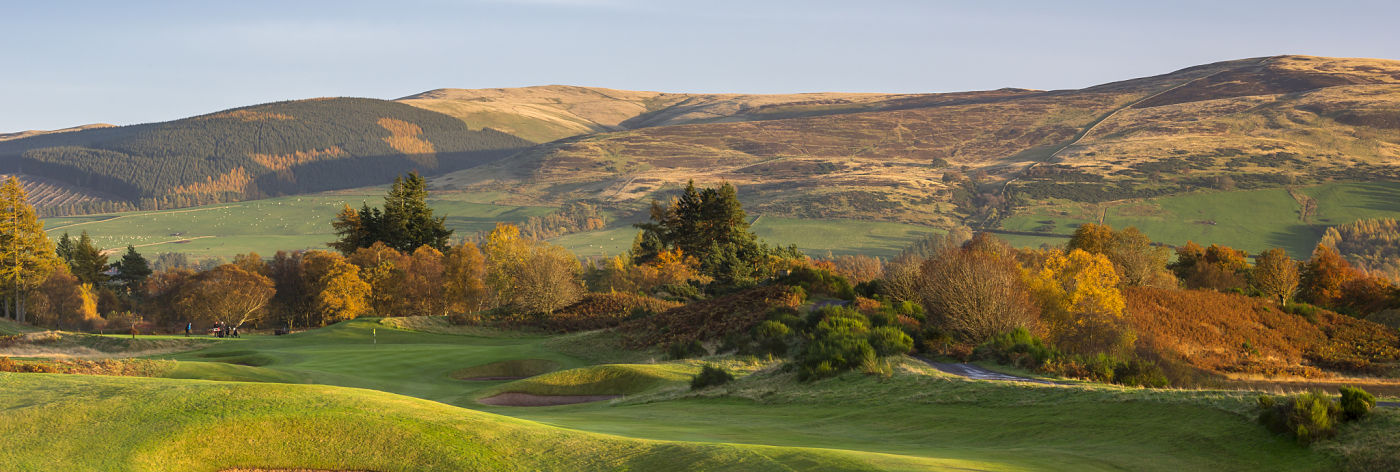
974, 158
551, 112
254, 152
35, 132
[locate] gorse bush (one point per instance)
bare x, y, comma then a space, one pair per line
890, 341
1309, 417
1356, 403
710, 376
1314, 415
816, 281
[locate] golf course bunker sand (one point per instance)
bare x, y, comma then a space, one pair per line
514, 369
529, 399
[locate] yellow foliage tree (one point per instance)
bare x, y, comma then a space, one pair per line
1081, 306
464, 274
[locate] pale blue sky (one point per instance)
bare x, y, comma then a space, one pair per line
67, 63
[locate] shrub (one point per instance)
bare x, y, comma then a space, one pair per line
890, 341
1309, 417
686, 349
771, 337
820, 281
1356, 403
710, 376
839, 342
1017, 347
1139, 373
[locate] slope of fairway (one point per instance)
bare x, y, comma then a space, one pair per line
610, 379
916, 415
56, 422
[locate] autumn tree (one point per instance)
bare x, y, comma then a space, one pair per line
62, 303
339, 292
1216, 267
382, 268
423, 284
1136, 260
250, 262
1079, 299
226, 293
1275, 275
464, 279
292, 300
27, 256
162, 290
1324, 277
975, 292
711, 225
548, 281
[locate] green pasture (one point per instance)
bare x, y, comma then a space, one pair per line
1252, 220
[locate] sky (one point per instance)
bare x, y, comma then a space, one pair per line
68, 63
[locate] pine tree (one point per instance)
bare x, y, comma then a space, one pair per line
65, 248
408, 220
27, 256
88, 264
132, 271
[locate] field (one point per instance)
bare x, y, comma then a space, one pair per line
1252, 220
405, 405
814, 237
263, 226
303, 222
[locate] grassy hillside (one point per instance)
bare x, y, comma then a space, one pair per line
551, 112
976, 158
271, 149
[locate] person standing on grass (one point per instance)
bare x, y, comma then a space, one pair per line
188, 326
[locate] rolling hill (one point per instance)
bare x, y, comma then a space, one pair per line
1029, 163
259, 151
940, 159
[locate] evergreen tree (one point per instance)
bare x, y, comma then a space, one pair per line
406, 222
88, 264
65, 248
27, 256
132, 271
711, 225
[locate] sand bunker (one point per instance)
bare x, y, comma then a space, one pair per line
527, 399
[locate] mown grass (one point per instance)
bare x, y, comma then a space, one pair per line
56, 422
917, 419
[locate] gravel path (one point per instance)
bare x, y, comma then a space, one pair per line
978, 373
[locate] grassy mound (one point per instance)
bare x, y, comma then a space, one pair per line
10, 328
612, 379
511, 369
137, 424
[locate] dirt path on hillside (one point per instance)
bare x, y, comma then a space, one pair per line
978, 373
